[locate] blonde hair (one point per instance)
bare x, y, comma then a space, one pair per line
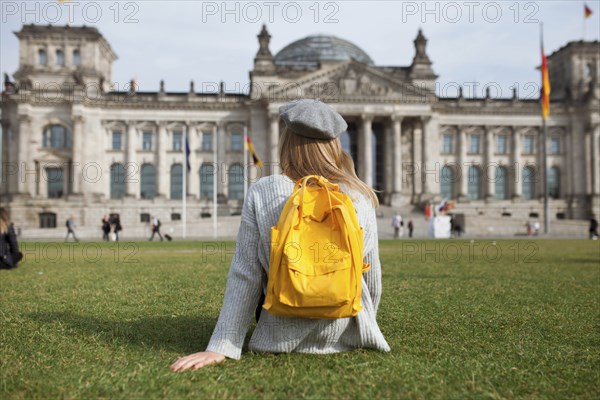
300, 156
3, 221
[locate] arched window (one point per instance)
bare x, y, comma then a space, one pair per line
207, 175
554, 182
60, 57
501, 183
528, 183
447, 180
117, 181
148, 182
76, 57
235, 182
47, 220
56, 137
474, 187
42, 57
176, 181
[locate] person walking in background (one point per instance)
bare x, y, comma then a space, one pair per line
411, 226
536, 228
593, 228
397, 224
9, 248
156, 228
71, 229
528, 227
105, 228
115, 221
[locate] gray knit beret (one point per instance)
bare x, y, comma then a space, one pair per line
313, 119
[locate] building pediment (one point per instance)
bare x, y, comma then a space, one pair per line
352, 81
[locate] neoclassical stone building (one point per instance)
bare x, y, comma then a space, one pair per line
72, 144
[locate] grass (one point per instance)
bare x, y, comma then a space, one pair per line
512, 319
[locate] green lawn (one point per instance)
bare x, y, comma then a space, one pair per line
512, 319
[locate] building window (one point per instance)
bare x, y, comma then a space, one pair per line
501, 144
447, 144
346, 141
207, 175
147, 140
56, 137
175, 217
76, 57
207, 141
148, 182
176, 181
47, 220
117, 181
528, 144
528, 183
501, 183
117, 140
474, 145
448, 178
55, 181
554, 145
145, 217
235, 182
554, 182
42, 57
237, 140
474, 184
60, 57
177, 140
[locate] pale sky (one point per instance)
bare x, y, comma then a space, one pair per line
213, 41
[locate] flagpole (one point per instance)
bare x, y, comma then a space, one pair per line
184, 185
245, 161
215, 177
544, 139
584, 18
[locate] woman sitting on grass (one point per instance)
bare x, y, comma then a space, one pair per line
310, 145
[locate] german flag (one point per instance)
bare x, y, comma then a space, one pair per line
587, 12
545, 86
257, 161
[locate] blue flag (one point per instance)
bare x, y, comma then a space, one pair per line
187, 154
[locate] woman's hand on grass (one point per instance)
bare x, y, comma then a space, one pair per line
197, 360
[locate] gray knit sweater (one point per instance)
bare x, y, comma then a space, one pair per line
248, 277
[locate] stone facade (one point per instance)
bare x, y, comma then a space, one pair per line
71, 145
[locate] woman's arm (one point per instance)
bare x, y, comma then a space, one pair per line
371, 256
244, 286
12, 239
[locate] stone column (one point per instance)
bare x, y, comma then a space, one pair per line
396, 159
489, 170
132, 169
274, 143
367, 149
221, 161
463, 184
26, 171
595, 157
163, 171
540, 173
5, 184
75, 174
417, 161
193, 182
517, 181
595, 164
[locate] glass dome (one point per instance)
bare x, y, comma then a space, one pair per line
317, 48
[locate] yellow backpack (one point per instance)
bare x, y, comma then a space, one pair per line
316, 261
